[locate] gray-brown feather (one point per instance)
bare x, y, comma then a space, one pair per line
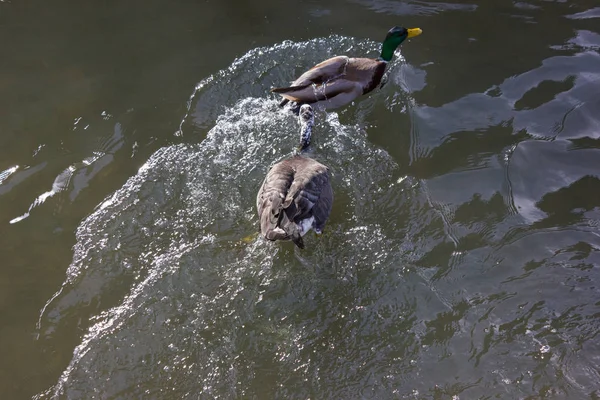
335, 82
294, 189
329, 69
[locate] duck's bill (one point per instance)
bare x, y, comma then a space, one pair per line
414, 32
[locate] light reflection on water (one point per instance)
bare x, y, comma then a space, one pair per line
460, 261
390, 302
178, 226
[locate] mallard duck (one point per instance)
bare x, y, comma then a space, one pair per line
296, 195
339, 80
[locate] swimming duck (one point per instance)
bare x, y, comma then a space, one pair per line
296, 195
339, 80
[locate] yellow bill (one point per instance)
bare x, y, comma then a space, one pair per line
412, 32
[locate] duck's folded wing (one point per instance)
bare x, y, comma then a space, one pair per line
270, 199
313, 93
306, 191
327, 70
332, 68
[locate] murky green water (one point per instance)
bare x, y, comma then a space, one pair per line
461, 259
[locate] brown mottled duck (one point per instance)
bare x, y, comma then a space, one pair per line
296, 195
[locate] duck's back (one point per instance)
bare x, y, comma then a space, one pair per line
366, 71
295, 196
326, 70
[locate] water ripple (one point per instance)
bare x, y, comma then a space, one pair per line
175, 301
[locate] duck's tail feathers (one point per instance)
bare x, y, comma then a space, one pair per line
289, 89
276, 234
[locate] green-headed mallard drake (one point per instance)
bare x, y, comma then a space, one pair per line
296, 195
339, 80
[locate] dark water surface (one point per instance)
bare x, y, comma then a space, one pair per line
462, 258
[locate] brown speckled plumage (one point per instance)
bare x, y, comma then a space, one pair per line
294, 189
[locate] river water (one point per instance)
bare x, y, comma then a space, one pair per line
462, 256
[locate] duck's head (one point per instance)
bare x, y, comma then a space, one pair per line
306, 117
394, 38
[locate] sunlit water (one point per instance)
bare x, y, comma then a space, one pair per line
390, 302
461, 257
228, 313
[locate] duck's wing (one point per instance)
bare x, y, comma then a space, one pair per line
310, 196
325, 71
270, 198
327, 91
